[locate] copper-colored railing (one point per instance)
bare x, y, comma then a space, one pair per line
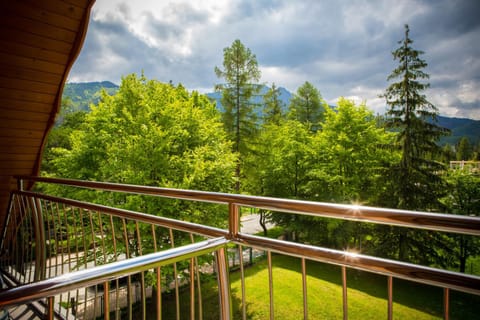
39, 204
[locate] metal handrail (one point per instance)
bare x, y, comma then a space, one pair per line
413, 219
391, 268
437, 277
99, 274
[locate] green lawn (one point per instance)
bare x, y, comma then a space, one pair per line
366, 295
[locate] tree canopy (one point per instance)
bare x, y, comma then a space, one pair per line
241, 73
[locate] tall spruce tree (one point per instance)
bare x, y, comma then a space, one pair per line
414, 118
241, 74
414, 181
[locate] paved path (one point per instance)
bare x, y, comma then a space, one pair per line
251, 225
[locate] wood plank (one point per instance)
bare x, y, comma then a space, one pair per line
20, 105
31, 63
16, 167
22, 133
43, 14
18, 157
7, 124
38, 28
16, 149
8, 114
33, 86
28, 74
19, 142
73, 9
27, 96
27, 51
15, 35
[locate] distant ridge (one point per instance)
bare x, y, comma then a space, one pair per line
83, 94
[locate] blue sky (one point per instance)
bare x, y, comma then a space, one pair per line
342, 47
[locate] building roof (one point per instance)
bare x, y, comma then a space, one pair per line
39, 42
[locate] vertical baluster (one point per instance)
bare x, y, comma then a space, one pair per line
95, 260
26, 225
175, 274
143, 294
106, 287
69, 255
115, 258
270, 283
77, 257
304, 285
192, 288
446, 303
242, 281
85, 254
199, 285
40, 256
159, 278
344, 290
106, 301
390, 298
129, 278
49, 312
223, 284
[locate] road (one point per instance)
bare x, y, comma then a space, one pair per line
251, 225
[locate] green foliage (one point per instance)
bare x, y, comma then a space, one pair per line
464, 149
273, 106
463, 199
152, 134
307, 106
416, 185
349, 158
240, 73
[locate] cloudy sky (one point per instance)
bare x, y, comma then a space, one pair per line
342, 47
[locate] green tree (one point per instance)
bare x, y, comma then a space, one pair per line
464, 149
281, 166
414, 118
463, 198
153, 134
273, 106
414, 181
241, 74
348, 161
307, 106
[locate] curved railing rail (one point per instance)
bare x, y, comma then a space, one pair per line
412, 219
103, 274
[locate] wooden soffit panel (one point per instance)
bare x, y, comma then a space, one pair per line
39, 42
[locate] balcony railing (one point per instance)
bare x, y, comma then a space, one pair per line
70, 259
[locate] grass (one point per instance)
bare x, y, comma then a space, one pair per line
366, 295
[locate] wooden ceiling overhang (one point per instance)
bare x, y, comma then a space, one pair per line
39, 42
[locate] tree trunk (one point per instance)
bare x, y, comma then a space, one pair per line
262, 221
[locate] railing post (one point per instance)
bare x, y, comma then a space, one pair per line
233, 220
223, 284
40, 242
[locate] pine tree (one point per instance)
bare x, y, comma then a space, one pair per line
414, 119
